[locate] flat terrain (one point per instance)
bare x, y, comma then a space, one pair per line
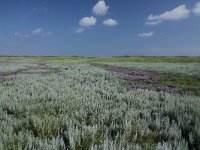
89, 103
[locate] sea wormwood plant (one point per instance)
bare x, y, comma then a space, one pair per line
60, 111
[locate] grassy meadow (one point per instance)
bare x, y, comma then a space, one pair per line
91, 103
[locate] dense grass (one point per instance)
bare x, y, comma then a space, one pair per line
80, 106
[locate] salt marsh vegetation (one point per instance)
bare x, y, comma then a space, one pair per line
191, 69
84, 107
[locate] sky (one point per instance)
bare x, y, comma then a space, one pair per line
100, 28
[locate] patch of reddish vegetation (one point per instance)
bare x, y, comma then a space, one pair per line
3, 76
146, 79
43, 67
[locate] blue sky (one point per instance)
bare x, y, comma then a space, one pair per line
100, 28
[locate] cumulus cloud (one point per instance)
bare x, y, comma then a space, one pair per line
87, 21
196, 9
178, 13
110, 22
79, 30
41, 32
146, 34
100, 8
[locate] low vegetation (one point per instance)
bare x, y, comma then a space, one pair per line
52, 105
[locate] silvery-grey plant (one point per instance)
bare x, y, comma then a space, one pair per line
84, 107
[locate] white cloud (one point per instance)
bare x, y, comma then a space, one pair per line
87, 21
196, 9
146, 34
153, 22
40, 32
79, 30
37, 31
178, 13
100, 8
110, 22
21, 35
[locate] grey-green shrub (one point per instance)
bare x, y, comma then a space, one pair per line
83, 107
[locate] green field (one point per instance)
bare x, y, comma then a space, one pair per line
91, 103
